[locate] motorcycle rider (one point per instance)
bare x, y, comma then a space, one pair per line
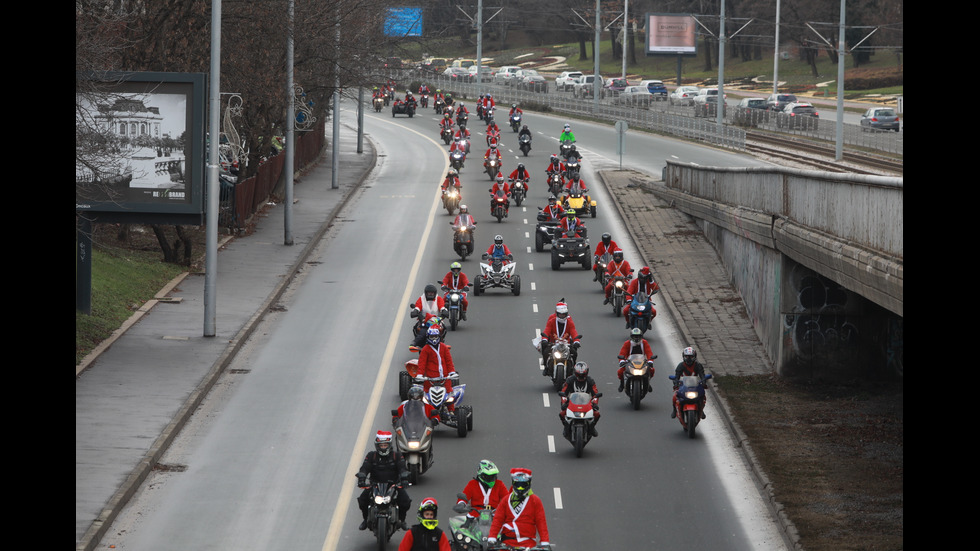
429, 304
572, 152
521, 173
446, 123
520, 517
579, 381
483, 491
554, 210
571, 225
456, 280
452, 180
415, 394
618, 267
688, 366
499, 250
426, 535
514, 109
376, 93
462, 133
439, 96
566, 134
488, 103
492, 152
460, 111
606, 245
525, 131
559, 327
435, 360
576, 185
384, 464
498, 185
423, 89
410, 100
556, 166
493, 132
464, 218
643, 283
636, 344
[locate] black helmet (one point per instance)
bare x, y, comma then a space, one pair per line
690, 356
430, 292
618, 255
581, 371
416, 393
520, 481
552, 199
520, 166
606, 238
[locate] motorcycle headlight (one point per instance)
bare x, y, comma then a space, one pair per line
619, 284
381, 500
557, 355
641, 307
637, 372
414, 445
691, 395
455, 296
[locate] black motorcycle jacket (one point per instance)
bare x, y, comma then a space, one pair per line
379, 468
424, 539
683, 369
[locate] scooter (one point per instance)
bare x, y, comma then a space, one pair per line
413, 438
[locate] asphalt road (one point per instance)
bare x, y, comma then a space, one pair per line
271, 455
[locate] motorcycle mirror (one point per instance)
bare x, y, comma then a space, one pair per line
621, 357
394, 412
708, 376
598, 395
462, 496
562, 394
654, 357
484, 256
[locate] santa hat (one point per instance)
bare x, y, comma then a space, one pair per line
520, 472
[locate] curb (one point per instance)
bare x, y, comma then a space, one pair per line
128, 488
790, 533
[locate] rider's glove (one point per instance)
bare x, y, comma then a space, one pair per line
361, 481
491, 541
576, 344
622, 363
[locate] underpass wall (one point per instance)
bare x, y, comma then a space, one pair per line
823, 304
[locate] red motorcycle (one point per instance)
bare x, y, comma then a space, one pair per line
689, 393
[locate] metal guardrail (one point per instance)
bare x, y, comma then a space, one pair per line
660, 116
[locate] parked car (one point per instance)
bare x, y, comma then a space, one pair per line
456, 73
750, 112
776, 102
707, 106
565, 80
532, 81
683, 95
799, 115
635, 96
584, 86
463, 63
880, 118
656, 88
505, 74
433, 65
486, 73
614, 86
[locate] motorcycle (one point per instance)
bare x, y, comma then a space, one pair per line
446, 135
600, 270
383, 512
580, 202
488, 115
403, 108
525, 143
564, 148
378, 103
493, 167
493, 137
689, 394
457, 158
555, 184
463, 240
388, 96
501, 205
580, 415
464, 143
461, 118
636, 377
519, 191
559, 363
494, 273
472, 535
572, 169
454, 303
451, 199
618, 294
515, 122
641, 312
424, 101
479, 110
437, 397
413, 438
438, 106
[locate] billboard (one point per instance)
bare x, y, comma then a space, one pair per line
139, 147
671, 34
403, 21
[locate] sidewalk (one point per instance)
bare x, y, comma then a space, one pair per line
133, 399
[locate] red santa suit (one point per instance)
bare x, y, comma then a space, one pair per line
520, 524
634, 287
629, 349
614, 269
554, 331
458, 283
480, 497
429, 308
436, 362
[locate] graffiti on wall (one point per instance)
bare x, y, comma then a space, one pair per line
822, 326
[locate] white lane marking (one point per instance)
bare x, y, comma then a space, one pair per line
557, 498
551, 443
547, 399
533, 286
535, 308
527, 235
530, 267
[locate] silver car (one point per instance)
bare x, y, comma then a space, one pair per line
635, 96
683, 95
880, 118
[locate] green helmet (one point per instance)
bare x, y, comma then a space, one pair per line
487, 472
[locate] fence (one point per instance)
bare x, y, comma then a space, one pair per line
238, 201
660, 116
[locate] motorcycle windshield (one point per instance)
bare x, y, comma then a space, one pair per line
689, 382
580, 398
413, 423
